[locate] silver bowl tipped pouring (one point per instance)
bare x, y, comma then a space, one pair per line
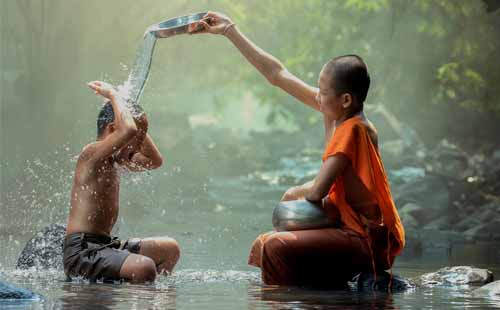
166, 29
175, 26
300, 215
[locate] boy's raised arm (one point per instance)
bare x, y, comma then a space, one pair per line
141, 153
124, 125
147, 158
270, 67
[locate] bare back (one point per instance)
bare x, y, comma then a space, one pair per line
94, 196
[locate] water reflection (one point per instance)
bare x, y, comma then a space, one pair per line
87, 296
231, 289
114, 296
297, 298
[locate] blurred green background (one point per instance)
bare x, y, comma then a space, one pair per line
434, 64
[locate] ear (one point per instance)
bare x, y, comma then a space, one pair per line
111, 127
346, 100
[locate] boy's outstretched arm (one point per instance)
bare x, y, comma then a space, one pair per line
270, 67
124, 125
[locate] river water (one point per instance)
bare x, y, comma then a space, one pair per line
215, 220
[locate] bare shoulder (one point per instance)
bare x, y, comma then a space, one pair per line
85, 159
84, 164
372, 131
87, 152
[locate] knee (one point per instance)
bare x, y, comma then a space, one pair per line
274, 246
170, 250
146, 271
173, 249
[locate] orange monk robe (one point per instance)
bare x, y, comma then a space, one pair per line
331, 256
351, 139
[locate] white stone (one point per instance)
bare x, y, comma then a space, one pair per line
457, 275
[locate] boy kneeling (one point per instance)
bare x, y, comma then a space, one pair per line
89, 250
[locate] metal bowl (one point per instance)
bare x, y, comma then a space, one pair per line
300, 215
175, 26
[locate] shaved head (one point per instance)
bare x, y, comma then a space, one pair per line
349, 74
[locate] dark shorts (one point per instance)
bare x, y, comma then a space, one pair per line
96, 257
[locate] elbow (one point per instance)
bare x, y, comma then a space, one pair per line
273, 80
274, 77
154, 162
157, 162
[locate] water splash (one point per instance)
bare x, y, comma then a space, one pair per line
133, 87
211, 276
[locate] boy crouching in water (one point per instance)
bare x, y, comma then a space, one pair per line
89, 250
351, 185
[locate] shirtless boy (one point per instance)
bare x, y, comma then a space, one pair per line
89, 250
351, 184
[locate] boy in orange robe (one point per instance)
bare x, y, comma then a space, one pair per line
351, 185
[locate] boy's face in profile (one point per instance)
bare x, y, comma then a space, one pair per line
330, 104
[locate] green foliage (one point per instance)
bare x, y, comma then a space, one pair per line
421, 53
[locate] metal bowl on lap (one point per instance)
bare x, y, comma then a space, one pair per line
300, 215
175, 26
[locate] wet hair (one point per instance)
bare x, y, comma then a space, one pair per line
106, 116
135, 110
350, 75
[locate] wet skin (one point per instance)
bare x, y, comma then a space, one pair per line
94, 196
96, 186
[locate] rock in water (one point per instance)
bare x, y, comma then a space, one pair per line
458, 275
8, 291
492, 288
366, 281
44, 250
484, 231
430, 192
